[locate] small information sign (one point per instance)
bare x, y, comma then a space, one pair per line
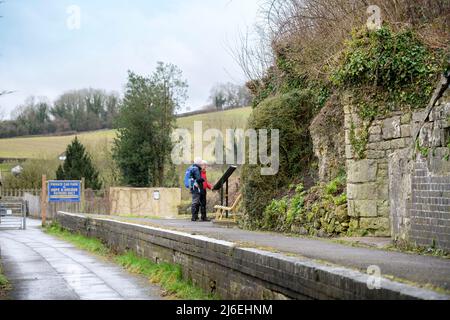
64, 191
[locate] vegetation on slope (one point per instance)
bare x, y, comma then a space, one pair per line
384, 71
285, 112
319, 211
324, 51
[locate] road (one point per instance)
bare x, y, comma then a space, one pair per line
41, 267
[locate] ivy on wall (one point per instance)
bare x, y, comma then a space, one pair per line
386, 71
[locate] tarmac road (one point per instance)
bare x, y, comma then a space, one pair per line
41, 267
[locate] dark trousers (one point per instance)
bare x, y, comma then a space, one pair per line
203, 204
195, 205
198, 204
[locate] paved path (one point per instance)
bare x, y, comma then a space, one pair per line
41, 267
412, 267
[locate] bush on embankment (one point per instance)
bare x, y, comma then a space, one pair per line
287, 113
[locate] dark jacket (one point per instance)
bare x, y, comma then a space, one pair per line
196, 174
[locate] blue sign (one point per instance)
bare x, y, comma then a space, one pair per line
64, 191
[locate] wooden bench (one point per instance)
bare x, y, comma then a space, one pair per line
221, 210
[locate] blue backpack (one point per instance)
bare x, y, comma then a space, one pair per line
189, 177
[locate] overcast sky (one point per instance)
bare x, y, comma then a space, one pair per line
43, 53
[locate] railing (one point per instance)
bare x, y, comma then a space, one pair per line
96, 202
18, 192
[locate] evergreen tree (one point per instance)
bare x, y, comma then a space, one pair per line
145, 123
60, 173
78, 164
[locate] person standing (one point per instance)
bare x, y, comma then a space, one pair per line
203, 191
194, 181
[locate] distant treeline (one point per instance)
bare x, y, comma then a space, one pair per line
78, 110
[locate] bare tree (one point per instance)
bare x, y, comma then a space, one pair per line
311, 33
252, 52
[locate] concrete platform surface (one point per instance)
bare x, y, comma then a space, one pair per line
420, 269
42, 267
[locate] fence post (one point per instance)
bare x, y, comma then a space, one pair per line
44, 199
83, 181
25, 211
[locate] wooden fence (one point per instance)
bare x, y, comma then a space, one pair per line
95, 202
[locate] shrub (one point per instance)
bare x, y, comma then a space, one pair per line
275, 215
290, 113
31, 175
396, 69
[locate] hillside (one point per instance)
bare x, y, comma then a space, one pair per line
50, 146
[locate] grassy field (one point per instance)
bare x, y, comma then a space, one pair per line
47, 147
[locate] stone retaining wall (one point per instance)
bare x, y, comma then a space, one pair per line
368, 178
239, 273
400, 187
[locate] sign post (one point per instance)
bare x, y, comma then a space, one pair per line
44, 200
83, 186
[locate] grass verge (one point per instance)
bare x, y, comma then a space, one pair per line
168, 276
5, 286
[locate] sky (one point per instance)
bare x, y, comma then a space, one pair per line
51, 46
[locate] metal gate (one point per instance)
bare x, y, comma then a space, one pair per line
13, 214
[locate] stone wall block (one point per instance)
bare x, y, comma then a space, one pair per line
376, 154
348, 151
379, 226
375, 130
391, 128
437, 137
361, 171
405, 130
365, 208
365, 191
375, 138
383, 208
383, 189
405, 118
